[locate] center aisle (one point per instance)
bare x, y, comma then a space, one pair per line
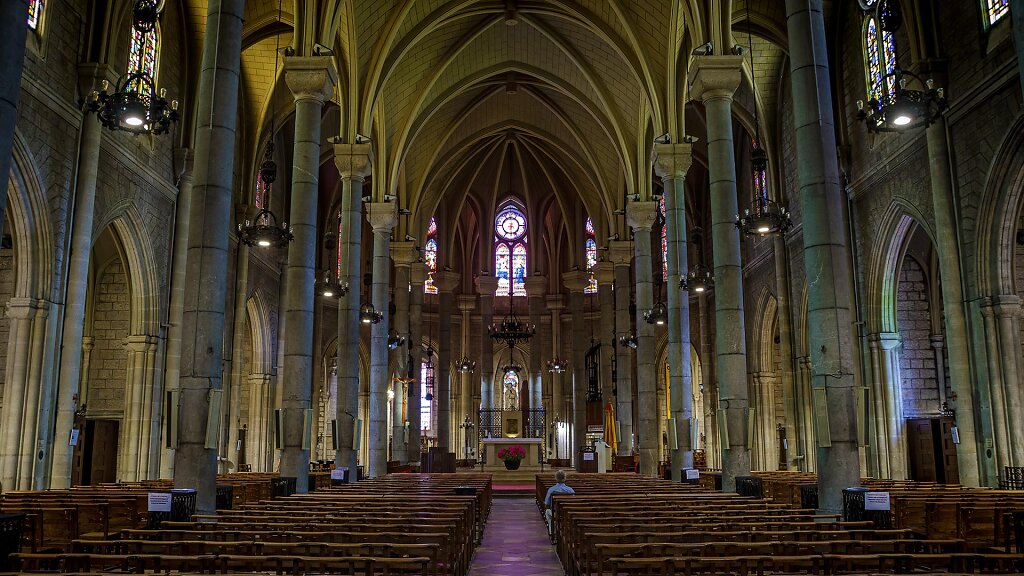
515, 542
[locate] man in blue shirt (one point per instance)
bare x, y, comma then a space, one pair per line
558, 488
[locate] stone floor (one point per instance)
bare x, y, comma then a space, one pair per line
515, 542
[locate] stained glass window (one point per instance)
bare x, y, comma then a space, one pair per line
35, 13
664, 239
880, 55
590, 251
996, 9
258, 196
430, 257
510, 254
426, 372
143, 54
339, 248
511, 388
760, 177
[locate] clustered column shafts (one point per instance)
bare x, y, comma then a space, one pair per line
239, 321
826, 255
713, 79
555, 305
466, 304
418, 273
311, 80
535, 286
620, 253
604, 273
576, 282
404, 255
195, 465
485, 287
382, 216
12, 61
673, 160
446, 283
786, 372
641, 217
354, 163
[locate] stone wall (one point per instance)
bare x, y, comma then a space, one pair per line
7, 275
107, 378
917, 359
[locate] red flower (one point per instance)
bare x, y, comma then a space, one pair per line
514, 452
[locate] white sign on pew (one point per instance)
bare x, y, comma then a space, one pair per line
338, 473
159, 502
876, 501
692, 474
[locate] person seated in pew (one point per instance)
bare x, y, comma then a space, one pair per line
559, 488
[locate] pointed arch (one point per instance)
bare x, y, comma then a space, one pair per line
29, 226
259, 329
131, 232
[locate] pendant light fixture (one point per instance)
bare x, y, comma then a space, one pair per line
765, 216
658, 314
700, 278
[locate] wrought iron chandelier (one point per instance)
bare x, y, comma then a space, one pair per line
700, 278
556, 365
512, 330
135, 105
369, 315
764, 216
263, 230
466, 365
628, 340
394, 341
330, 287
657, 315
907, 101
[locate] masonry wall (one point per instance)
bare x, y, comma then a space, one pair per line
105, 388
7, 275
917, 359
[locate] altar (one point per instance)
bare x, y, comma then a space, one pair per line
528, 466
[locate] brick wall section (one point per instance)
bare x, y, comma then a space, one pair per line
109, 327
917, 359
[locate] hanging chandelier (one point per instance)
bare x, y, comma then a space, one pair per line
329, 287
512, 366
466, 365
657, 315
135, 105
394, 341
628, 340
428, 380
909, 102
556, 365
512, 330
369, 315
700, 279
263, 230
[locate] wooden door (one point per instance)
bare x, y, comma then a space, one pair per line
101, 451
946, 451
921, 450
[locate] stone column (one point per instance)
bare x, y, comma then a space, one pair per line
77, 292
535, 286
466, 304
258, 441
826, 256
184, 159
555, 305
233, 394
485, 287
888, 398
195, 465
1007, 309
311, 80
673, 160
134, 443
953, 311
713, 79
354, 163
620, 253
403, 254
446, 283
641, 217
712, 446
604, 273
12, 60
382, 216
18, 428
418, 274
786, 377
576, 282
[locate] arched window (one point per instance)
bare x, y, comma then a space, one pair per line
144, 53
426, 401
880, 57
35, 14
511, 391
760, 176
590, 247
995, 10
430, 257
510, 251
339, 247
664, 239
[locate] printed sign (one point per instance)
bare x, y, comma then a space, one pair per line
338, 474
73, 441
159, 502
692, 474
588, 456
876, 501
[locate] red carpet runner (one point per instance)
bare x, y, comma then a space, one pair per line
515, 542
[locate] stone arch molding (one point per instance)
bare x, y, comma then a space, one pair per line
766, 320
898, 224
259, 328
1001, 205
29, 226
126, 221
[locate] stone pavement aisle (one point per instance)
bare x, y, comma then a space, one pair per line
515, 542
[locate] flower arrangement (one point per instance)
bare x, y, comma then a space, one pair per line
513, 453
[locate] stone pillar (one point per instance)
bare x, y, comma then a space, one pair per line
604, 273
555, 305
786, 376
133, 447
576, 282
418, 274
466, 304
888, 409
713, 79
403, 254
485, 287
195, 465
673, 160
311, 80
233, 395
712, 447
446, 283
184, 159
354, 163
620, 253
19, 426
77, 291
1007, 309
826, 256
641, 217
258, 438
953, 311
12, 60
535, 286
382, 216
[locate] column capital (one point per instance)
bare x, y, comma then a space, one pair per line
354, 161
555, 302
1006, 305
404, 253
446, 281
672, 160
714, 77
139, 342
382, 216
310, 77
642, 215
620, 252
604, 272
25, 308
466, 302
576, 281
418, 273
885, 340
486, 285
535, 285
